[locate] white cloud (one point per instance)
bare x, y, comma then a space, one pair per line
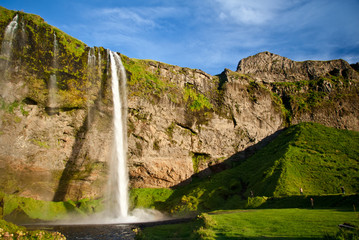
132, 18
120, 15
254, 12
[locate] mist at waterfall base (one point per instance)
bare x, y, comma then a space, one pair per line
117, 210
117, 199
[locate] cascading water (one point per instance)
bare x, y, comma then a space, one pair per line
92, 77
6, 57
117, 206
53, 78
91, 59
6, 46
119, 175
99, 63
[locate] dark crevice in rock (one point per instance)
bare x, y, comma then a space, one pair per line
234, 120
52, 111
186, 127
29, 101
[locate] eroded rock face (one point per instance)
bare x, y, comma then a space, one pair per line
180, 121
269, 67
166, 147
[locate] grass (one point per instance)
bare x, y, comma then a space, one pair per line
27, 209
148, 197
257, 224
11, 231
317, 158
280, 223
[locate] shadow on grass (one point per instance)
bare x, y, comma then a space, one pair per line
207, 185
260, 238
340, 202
234, 160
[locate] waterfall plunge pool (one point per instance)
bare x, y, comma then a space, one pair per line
95, 231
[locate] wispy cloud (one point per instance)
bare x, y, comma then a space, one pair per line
259, 12
133, 17
214, 34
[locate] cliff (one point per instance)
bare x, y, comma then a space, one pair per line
56, 140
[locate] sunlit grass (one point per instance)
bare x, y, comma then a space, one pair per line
257, 224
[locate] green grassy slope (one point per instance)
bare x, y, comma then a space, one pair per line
317, 158
308, 155
257, 224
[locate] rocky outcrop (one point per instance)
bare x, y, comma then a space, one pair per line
181, 122
269, 67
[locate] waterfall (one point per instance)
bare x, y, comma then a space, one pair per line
91, 58
99, 63
53, 78
119, 175
6, 46
93, 76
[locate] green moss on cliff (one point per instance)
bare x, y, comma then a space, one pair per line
19, 208
147, 83
306, 96
5, 17
33, 55
196, 101
197, 159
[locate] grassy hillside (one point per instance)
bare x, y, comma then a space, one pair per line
259, 224
310, 156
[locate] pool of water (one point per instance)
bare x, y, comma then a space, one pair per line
89, 232
102, 231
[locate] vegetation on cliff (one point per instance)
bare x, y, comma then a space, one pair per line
145, 80
35, 61
20, 209
306, 96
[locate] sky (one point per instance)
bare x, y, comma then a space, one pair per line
207, 34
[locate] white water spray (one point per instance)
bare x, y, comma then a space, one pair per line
5, 59
52, 86
117, 207
9, 35
119, 173
91, 58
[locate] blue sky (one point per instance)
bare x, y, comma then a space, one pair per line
208, 34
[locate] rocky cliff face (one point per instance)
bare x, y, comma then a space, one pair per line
320, 91
267, 67
180, 121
